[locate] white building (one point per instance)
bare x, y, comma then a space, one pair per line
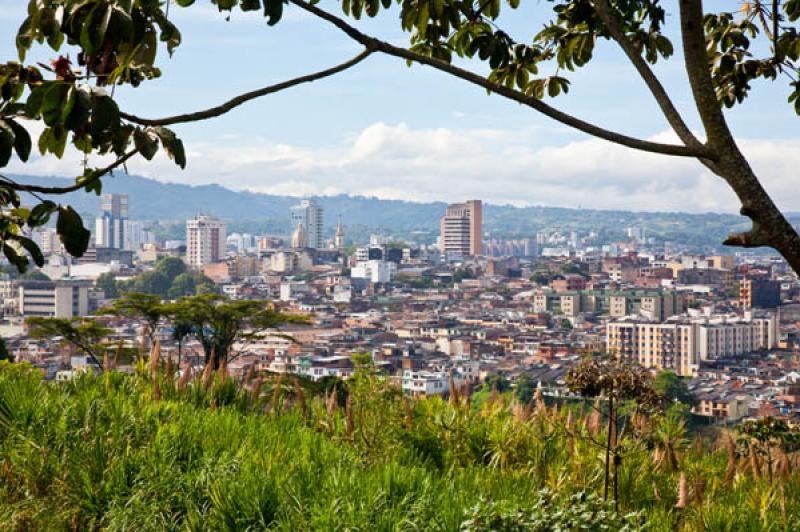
55, 299
310, 215
428, 383
205, 240
375, 271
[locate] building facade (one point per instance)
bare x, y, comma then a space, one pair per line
111, 224
205, 240
310, 215
54, 299
461, 229
681, 345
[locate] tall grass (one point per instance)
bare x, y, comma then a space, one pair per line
105, 453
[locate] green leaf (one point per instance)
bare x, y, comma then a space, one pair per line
172, 145
34, 104
250, 5
273, 9
40, 214
54, 103
14, 258
147, 145
6, 143
78, 115
22, 140
105, 115
31, 247
70, 229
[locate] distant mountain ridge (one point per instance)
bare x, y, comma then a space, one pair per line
155, 200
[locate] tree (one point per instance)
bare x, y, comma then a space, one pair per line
4, 353
117, 44
182, 285
182, 326
218, 323
108, 284
673, 388
83, 333
136, 306
615, 381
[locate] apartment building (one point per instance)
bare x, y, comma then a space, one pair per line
681, 344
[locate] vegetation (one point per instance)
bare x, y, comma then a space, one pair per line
154, 452
169, 279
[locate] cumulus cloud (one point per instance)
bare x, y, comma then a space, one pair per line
500, 166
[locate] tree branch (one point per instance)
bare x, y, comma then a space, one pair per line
97, 174
246, 97
569, 120
610, 19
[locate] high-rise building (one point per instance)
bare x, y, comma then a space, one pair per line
110, 225
205, 240
759, 293
462, 229
309, 213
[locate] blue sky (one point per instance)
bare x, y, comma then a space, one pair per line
386, 130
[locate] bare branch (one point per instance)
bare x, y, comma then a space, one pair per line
569, 120
246, 97
97, 174
610, 19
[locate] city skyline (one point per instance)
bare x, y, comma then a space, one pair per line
401, 152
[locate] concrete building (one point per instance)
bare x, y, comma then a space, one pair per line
111, 224
462, 229
55, 299
655, 304
759, 293
375, 271
205, 240
310, 215
682, 344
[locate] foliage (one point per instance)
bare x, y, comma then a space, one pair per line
169, 279
108, 284
4, 353
582, 511
84, 334
673, 388
105, 452
136, 306
218, 323
118, 42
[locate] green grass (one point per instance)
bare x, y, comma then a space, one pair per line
102, 453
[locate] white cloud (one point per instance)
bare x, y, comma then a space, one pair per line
500, 166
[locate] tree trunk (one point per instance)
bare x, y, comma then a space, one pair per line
769, 226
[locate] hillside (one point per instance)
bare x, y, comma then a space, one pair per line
155, 200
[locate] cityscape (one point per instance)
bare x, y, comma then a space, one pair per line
425, 265
463, 309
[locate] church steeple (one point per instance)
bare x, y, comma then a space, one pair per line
338, 240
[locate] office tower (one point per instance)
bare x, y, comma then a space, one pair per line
110, 225
205, 240
759, 293
309, 213
462, 229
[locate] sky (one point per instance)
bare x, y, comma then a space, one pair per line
386, 130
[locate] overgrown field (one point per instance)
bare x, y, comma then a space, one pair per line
123, 452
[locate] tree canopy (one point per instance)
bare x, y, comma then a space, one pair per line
117, 43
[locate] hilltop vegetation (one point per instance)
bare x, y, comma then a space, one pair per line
263, 213
154, 452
